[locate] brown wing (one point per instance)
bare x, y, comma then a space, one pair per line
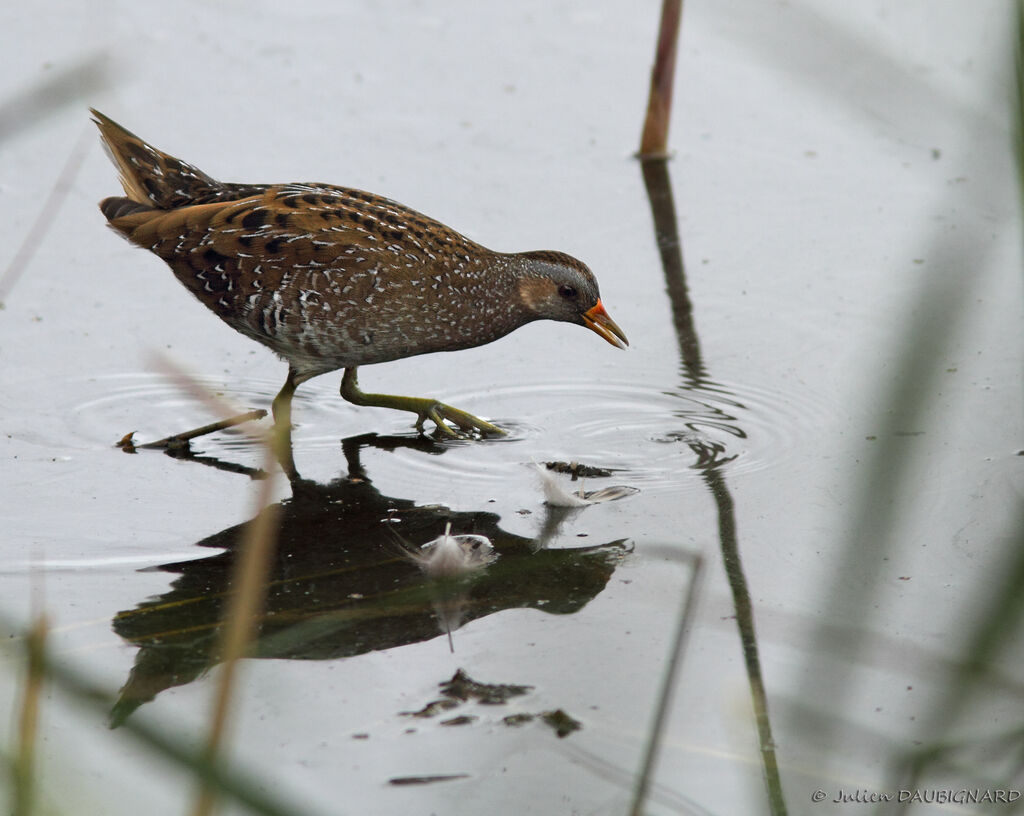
269, 262
291, 227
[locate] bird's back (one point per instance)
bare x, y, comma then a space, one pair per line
326, 276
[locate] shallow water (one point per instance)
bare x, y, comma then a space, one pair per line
834, 168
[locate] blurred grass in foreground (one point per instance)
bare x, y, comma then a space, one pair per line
213, 776
956, 745
165, 741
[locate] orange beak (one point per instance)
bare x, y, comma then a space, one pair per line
597, 320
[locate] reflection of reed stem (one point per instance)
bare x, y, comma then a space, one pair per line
659, 191
668, 683
244, 604
748, 637
666, 233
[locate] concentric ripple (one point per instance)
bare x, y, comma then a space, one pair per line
656, 438
153, 406
653, 438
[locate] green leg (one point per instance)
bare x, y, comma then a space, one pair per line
282, 405
282, 438
424, 407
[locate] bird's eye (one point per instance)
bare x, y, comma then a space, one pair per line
567, 291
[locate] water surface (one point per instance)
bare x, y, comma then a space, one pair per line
832, 166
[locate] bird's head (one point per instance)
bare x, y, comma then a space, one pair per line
556, 286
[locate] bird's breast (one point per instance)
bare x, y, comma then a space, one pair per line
328, 318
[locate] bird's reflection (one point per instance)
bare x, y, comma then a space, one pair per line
341, 585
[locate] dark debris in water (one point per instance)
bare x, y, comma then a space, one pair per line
425, 780
180, 442
127, 443
577, 470
461, 688
462, 719
557, 496
563, 724
433, 708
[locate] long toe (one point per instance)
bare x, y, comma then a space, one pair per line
466, 422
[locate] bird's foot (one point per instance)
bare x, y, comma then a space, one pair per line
465, 423
451, 422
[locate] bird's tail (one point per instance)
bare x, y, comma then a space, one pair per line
151, 178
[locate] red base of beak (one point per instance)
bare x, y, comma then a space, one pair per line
597, 320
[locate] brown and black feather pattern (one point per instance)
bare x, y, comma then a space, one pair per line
330, 277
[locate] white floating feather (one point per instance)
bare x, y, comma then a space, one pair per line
448, 555
558, 496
